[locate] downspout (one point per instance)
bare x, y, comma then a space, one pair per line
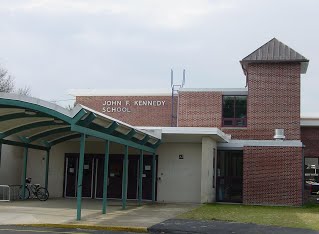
246, 74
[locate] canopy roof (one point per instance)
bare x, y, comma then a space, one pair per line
34, 123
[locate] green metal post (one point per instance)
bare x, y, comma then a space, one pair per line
0, 152
47, 160
24, 175
140, 179
124, 178
106, 175
153, 176
80, 178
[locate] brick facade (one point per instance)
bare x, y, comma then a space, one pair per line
310, 138
132, 109
272, 175
273, 102
199, 109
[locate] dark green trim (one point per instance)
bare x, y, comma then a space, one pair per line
88, 120
144, 140
130, 134
34, 107
22, 144
108, 130
111, 128
140, 178
47, 161
22, 115
27, 127
105, 176
80, 178
24, 174
153, 177
47, 133
124, 178
24, 139
63, 139
0, 152
115, 139
157, 144
78, 116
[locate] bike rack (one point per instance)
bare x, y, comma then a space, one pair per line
4, 193
9, 193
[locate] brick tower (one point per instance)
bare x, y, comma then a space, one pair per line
273, 175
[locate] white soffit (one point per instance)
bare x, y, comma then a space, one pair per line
188, 134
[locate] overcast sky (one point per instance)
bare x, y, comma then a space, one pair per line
56, 45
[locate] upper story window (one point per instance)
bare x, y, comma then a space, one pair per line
234, 111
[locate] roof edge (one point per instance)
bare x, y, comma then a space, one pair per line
120, 92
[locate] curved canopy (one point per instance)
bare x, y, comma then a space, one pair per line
38, 124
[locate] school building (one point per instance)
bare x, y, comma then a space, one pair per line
247, 145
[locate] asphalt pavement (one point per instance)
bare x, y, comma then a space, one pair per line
192, 226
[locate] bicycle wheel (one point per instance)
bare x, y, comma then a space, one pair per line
42, 194
26, 195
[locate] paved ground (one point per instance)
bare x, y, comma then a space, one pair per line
63, 211
190, 226
29, 230
159, 218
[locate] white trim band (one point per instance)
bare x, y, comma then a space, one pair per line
262, 143
224, 91
120, 92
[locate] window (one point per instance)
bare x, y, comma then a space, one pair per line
234, 111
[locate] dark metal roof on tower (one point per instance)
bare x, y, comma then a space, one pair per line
275, 51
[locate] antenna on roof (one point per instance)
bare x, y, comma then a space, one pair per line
172, 78
177, 86
175, 89
183, 78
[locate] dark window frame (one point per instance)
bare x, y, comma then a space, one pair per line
234, 120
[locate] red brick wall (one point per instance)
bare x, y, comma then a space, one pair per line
310, 138
272, 175
273, 102
200, 109
138, 115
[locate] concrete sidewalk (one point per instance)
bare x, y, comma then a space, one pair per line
63, 211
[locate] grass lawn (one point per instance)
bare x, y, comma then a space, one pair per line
299, 217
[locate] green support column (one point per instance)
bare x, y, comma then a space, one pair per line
24, 175
80, 178
153, 176
0, 152
140, 179
47, 160
106, 175
124, 178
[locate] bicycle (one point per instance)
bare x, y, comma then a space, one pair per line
37, 191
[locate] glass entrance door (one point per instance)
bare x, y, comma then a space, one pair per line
71, 174
229, 176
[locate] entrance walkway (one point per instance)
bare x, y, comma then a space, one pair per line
62, 211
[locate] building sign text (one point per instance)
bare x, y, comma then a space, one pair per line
125, 106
